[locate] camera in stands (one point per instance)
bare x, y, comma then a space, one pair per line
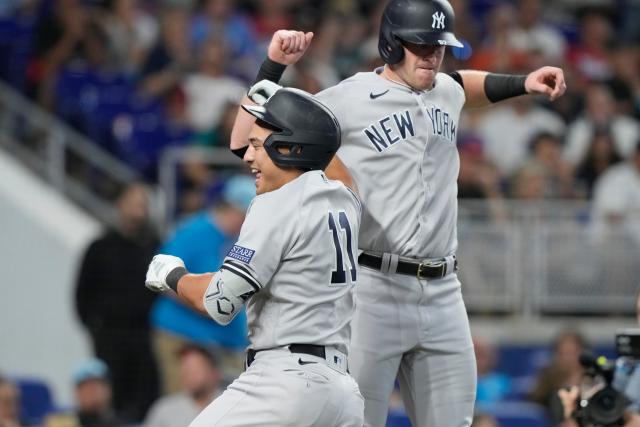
605, 407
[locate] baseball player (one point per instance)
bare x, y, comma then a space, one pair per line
294, 265
399, 126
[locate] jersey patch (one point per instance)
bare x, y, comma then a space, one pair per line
241, 254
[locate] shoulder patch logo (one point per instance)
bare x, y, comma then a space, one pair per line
241, 254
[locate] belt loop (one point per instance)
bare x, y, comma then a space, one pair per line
393, 263
386, 261
450, 264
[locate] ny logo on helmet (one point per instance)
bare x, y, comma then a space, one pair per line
438, 21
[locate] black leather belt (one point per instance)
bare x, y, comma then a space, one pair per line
422, 270
311, 349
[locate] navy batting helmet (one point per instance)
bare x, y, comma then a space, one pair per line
300, 123
415, 21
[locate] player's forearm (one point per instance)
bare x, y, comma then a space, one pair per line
474, 88
242, 126
191, 289
482, 88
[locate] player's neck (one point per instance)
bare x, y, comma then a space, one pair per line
389, 74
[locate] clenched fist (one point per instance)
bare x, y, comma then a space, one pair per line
287, 47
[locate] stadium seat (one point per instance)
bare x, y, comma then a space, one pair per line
518, 414
36, 401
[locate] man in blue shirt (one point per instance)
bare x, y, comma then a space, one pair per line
202, 241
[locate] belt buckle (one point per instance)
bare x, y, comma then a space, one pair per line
431, 264
419, 272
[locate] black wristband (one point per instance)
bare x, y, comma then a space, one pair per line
503, 86
270, 70
174, 276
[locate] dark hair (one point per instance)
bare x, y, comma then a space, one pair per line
541, 136
573, 334
197, 349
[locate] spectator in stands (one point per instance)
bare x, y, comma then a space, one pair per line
625, 82
532, 34
68, 34
477, 179
199, 385
546, 152
493, 386
563, 371
495, 53
600, 113
626, 380
171, 58
112, 307
220, 19
209, 91
9, 404
94, 396
616, 200
589, 58
202, 241
508, 130
601, 155
131, 34
529, 182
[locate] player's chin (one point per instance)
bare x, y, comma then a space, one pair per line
425, 77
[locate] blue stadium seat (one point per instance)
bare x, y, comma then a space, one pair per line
76, 93
518, 414
139, 139
36, 401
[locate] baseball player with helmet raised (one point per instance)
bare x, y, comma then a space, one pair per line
294, 265
399, 125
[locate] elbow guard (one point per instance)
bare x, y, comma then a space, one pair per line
227, 292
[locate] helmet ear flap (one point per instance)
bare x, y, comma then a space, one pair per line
390, 47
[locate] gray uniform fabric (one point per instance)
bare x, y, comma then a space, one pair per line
293, 245
400, 145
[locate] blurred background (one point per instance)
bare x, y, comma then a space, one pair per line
115, 116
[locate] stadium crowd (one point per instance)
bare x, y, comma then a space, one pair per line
140, 76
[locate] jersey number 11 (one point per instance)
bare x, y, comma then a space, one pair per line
339, 275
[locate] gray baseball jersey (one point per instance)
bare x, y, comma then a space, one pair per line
400, 146
391, 133
298, 247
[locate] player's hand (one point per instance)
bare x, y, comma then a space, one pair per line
262, 91
287, 47
632, 420
568, 397
160, 267
548, 81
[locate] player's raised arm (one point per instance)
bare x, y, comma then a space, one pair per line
482, 88
286, 48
